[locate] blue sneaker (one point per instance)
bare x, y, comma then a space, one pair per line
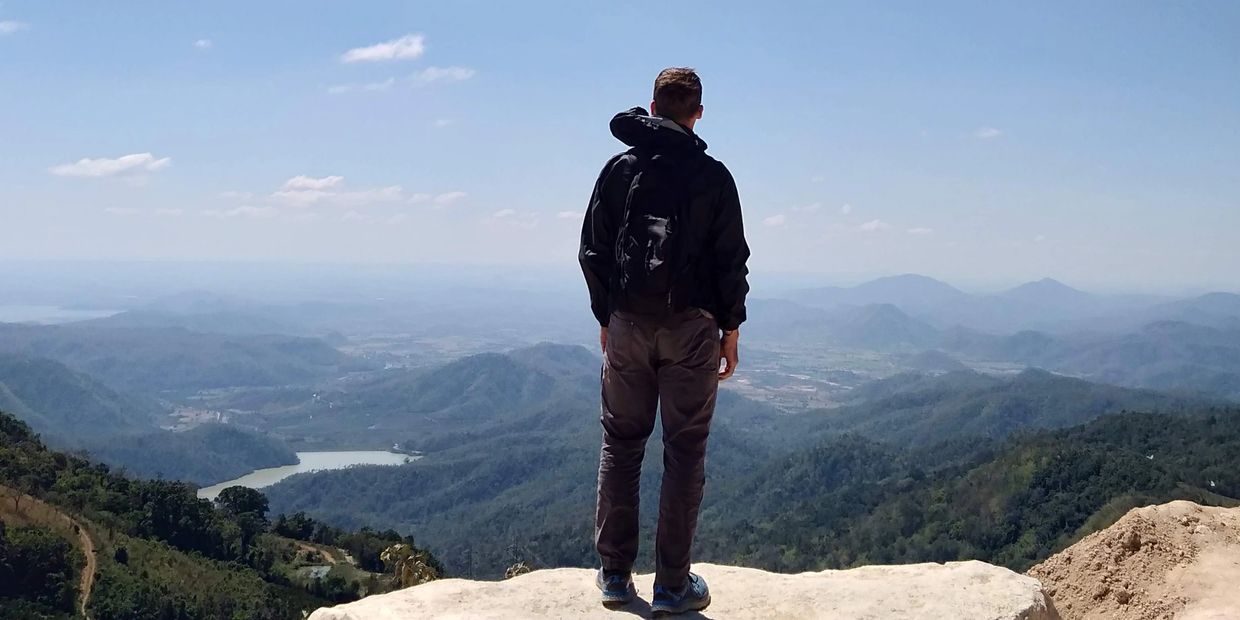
695, 596
617, 586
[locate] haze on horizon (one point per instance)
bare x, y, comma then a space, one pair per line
1099, 145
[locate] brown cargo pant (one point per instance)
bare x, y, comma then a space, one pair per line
671, 363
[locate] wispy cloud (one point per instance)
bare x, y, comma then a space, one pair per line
448, 198
987, 133
203, 44
774, 220
809, 208
369, 87
442, 122
304, 191
302, 181
874, 226
407, 47
512, 218
443, 74
568, 215
441, 200
920, 231
846, 209
9, 27
244, 211
168, 212
104, 167
126, 211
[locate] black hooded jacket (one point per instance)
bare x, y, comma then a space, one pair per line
716, 280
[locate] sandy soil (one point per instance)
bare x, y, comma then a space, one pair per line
1177, 560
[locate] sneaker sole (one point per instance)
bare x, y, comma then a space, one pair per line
618, 600
661, 612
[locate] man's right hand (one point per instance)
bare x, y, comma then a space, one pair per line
728, 352
602, 339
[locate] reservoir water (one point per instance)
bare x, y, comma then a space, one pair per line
309, 461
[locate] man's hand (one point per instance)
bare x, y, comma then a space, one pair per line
728, 353
602, 339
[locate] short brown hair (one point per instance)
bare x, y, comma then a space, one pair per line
677, 93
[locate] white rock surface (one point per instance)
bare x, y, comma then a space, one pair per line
953, 591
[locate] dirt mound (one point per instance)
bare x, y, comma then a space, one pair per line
1176, 560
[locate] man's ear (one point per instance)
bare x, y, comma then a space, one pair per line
653, 111
698, 116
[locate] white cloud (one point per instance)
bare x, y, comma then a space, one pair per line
370, 87
166, 212
122, 211
245, 211
302, 181
407, 47
511, 218
203, 44
774, 220
874, 226
846, 209
987, 133
442, 200
568, 215
443, 74
9, 27
304, 191
442, 122
1039, 239
104, 167
809, 208
449, 198
817, 178
920, 231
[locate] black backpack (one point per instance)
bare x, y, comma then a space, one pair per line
650, 246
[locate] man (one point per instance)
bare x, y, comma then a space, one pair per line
663, 252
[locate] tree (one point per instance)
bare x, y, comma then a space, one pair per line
409, 567
238, 500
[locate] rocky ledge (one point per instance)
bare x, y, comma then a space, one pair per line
956, 590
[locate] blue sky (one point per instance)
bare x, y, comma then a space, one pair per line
1098, 142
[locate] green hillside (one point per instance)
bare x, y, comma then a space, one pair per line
846, 503
161, 552
159, 359
917, 410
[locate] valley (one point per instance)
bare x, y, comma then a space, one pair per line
852, 434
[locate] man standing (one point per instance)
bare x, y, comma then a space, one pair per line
663, 252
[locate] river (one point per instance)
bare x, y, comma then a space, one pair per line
309, 461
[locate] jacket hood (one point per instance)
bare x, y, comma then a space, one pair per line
635, 127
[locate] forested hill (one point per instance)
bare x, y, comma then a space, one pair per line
919, 410
849, 501
163, 553
73, 411
843, 502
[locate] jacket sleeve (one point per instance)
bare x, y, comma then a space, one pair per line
731, 252
598, 241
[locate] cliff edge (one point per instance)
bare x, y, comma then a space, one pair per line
956, 590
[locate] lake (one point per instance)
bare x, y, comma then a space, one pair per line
15, 313
309, 461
